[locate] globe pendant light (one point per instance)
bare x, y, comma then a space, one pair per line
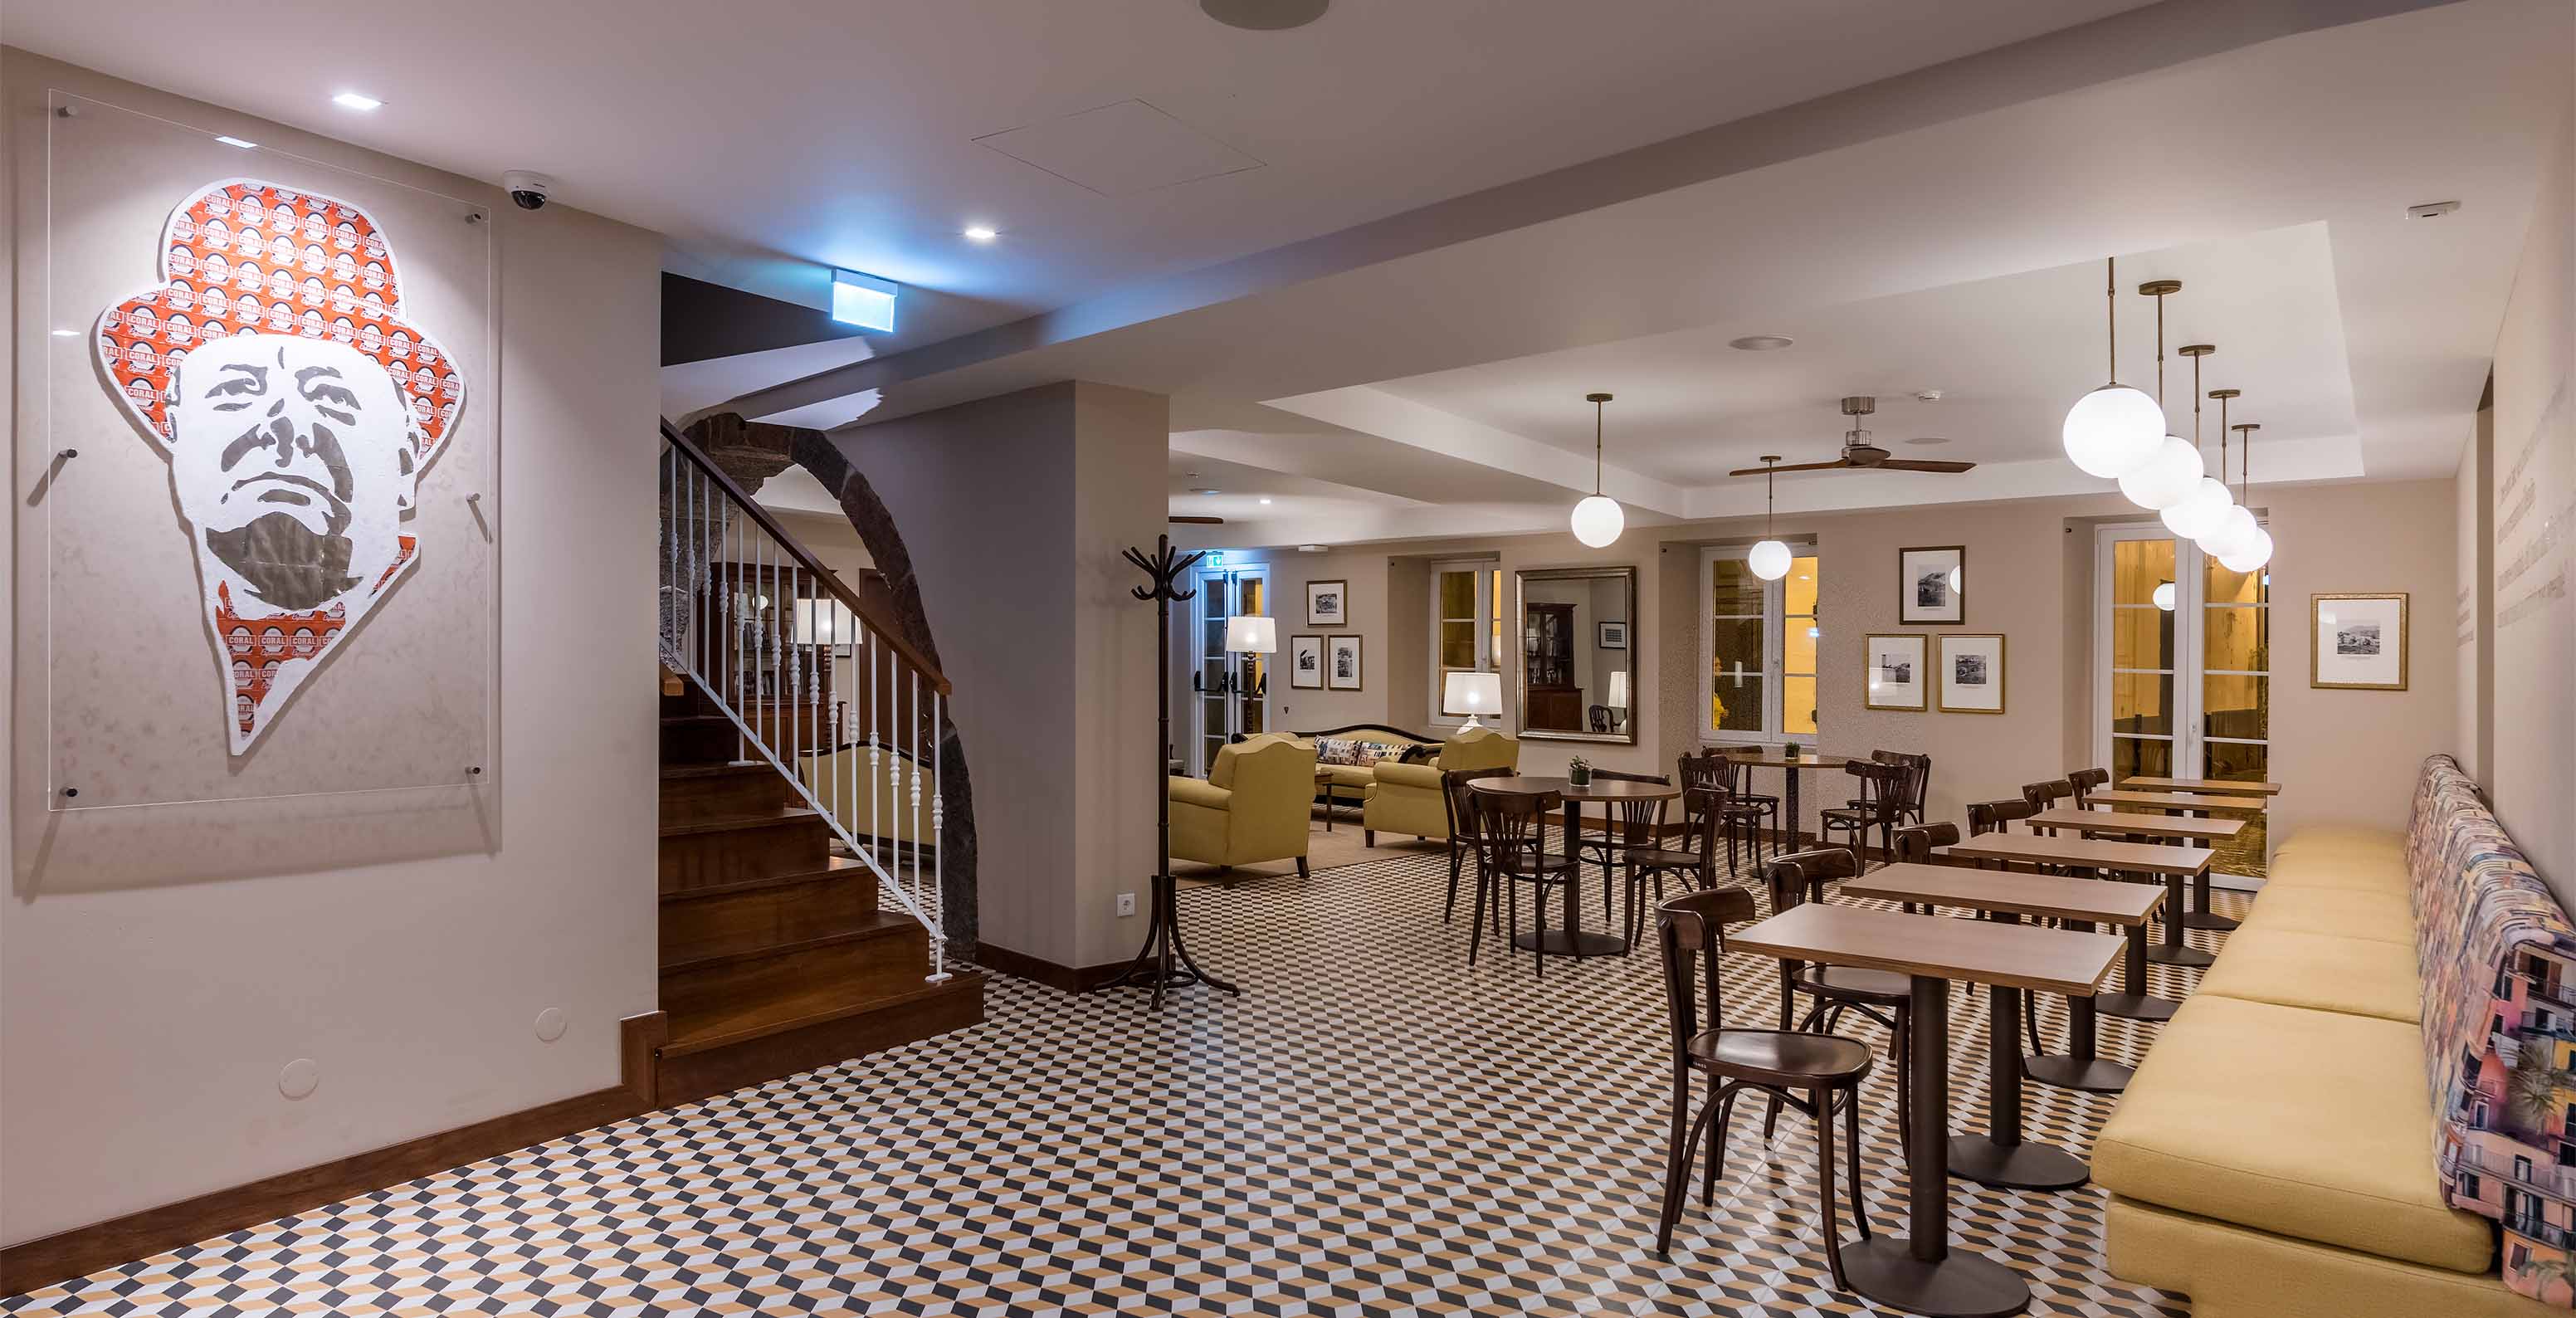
2199, 512
2248, 546
2175, 471
1598, 519
2115, 427
1769, 558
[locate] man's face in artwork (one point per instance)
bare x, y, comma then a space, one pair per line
293, 462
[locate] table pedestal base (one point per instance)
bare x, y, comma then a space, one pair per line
1561, 943
2208, 920
2169, 954
2093, 1075
1961, 1284
2135, 1006
2015, 1166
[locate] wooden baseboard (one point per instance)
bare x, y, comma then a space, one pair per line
1071, 979
84, 1250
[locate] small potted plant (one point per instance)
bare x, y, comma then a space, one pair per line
1791, 750
1578, 771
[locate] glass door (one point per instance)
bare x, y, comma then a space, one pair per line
2184, 656
1229, 693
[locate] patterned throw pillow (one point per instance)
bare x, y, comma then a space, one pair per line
1337, 750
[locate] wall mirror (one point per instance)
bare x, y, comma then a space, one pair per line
1578, 666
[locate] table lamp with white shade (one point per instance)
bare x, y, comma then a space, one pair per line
1618, 700
1247, 633
1472, 694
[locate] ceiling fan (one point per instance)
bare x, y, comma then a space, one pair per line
1858, 452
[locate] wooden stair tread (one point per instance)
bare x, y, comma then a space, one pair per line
841, 868
814, 1005
863, 927
734, 823
716, 770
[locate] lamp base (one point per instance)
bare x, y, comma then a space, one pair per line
1471, 725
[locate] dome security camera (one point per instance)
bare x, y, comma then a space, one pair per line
529, 191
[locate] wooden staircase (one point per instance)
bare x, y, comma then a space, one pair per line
775, 955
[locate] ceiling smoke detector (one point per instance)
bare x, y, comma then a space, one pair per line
2432, 210
1761, 342
1264, 15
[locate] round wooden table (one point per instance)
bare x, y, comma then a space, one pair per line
1789, 767
1571, 940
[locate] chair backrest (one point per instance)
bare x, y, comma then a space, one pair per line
1991, 816
1915, 843
1480, 748
1918, 781
1692, 927
1634, 822
1882, 784
2088, 781
1510, 823
1703, 815
1458, 800
1705, 771
2043, 795
1802, 875
1600, 715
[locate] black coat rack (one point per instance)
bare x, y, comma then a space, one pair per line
1163, 964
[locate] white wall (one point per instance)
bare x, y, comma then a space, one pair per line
2532, 491
406, 947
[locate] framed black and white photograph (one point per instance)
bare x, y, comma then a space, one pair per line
1971, 674
1328, 603
1895, 671
1930, 580
1342, 663
2358, 642
1306, 663
1612, 636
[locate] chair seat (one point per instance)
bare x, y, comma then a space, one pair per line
1787, 1057
1852, 983
1858, 815
1659, 858
1538, 867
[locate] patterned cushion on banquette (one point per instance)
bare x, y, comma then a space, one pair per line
2498, 960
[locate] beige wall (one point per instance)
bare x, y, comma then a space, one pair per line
405, 943
832, 539
2532, 492
1014, 511
2348, 756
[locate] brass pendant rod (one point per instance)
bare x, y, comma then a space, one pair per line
2111, 310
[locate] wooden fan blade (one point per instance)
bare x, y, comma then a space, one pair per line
1178, 520
1947, 468
1834, 465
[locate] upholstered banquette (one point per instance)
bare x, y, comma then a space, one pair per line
2364, 1107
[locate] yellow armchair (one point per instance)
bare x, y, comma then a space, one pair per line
1405, 798
1256, 805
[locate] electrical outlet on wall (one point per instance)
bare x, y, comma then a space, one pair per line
1126, 903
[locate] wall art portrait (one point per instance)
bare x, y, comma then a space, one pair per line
276, 369
1931, 585
1306, 663
2357, 642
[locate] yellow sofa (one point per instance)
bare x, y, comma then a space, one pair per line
1405, 798
2273, 1156
1254, 805
1349, 783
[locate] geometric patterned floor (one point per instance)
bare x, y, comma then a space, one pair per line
1373, 1128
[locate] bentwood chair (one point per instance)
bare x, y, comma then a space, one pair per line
1997, 816
2045, 796
1876, 808
1626, 824
2088, 781
1703, 813
1511, 841
1914, 846
1883, 996
1739, 784
1741, 820
1813, 1073
1458, 803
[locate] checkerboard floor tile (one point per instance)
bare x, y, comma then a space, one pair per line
1373, 1128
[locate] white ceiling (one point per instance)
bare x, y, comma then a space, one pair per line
847, 134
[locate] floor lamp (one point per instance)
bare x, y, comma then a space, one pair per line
1163, 964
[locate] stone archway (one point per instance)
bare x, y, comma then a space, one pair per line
751, 452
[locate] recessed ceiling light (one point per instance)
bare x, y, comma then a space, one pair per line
1929, 439
980, 233
1761, 342
1310, 549
356, 101
235, 141
1265, 501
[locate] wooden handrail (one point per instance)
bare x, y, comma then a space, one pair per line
804, 557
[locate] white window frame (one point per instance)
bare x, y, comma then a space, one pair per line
1230, 580
1488, 607
2190, 736
1775, 596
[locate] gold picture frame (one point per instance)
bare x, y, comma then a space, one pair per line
1945, 673
1918, 679
2348, 643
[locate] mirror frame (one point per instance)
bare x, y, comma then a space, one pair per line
1626, 574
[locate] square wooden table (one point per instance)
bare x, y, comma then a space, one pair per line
2181, 828
2186, 802
2000, 1157
1919, 1272
2172, 864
